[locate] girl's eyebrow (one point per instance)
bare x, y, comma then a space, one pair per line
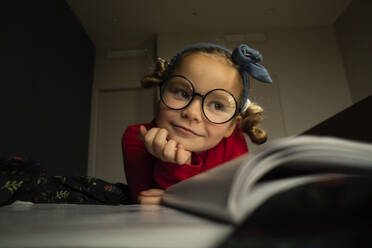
176, 76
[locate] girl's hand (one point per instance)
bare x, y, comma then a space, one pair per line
158, 145
151, 196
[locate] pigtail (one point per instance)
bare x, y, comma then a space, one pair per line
157, 76
251, 118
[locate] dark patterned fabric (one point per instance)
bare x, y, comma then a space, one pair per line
25, 180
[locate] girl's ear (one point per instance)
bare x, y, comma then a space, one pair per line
231, 128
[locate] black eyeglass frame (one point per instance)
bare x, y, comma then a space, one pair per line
237, 108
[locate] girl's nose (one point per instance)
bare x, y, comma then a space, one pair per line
194, 110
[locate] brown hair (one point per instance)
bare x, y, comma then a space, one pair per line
251, 117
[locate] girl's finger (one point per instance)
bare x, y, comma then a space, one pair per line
183, 156
152, 192
149, 199
149, 139
142, 132
170, 150
160, 140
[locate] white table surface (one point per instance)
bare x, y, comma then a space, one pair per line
71, 225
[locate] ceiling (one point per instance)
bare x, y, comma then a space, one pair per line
128, 24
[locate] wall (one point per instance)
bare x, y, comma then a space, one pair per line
117, 102
47, 73
354, 35
309, 79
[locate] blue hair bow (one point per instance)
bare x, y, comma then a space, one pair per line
248, 59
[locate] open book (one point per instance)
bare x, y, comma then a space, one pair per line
233, 190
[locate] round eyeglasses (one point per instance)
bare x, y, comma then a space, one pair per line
218, 105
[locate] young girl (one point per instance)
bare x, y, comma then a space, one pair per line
203, 110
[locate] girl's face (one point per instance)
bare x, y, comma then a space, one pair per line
189, 126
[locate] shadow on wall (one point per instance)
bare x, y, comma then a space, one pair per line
354, 34
46, 85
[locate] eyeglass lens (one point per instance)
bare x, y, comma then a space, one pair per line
219, 105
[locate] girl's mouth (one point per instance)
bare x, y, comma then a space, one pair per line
185, 130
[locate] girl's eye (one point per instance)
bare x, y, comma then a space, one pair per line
217, 106
183, 94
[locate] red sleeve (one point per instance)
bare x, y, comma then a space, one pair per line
138, 163
167, 174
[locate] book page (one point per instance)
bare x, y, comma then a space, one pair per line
314, 154
207, 192
222, 192
263, 191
